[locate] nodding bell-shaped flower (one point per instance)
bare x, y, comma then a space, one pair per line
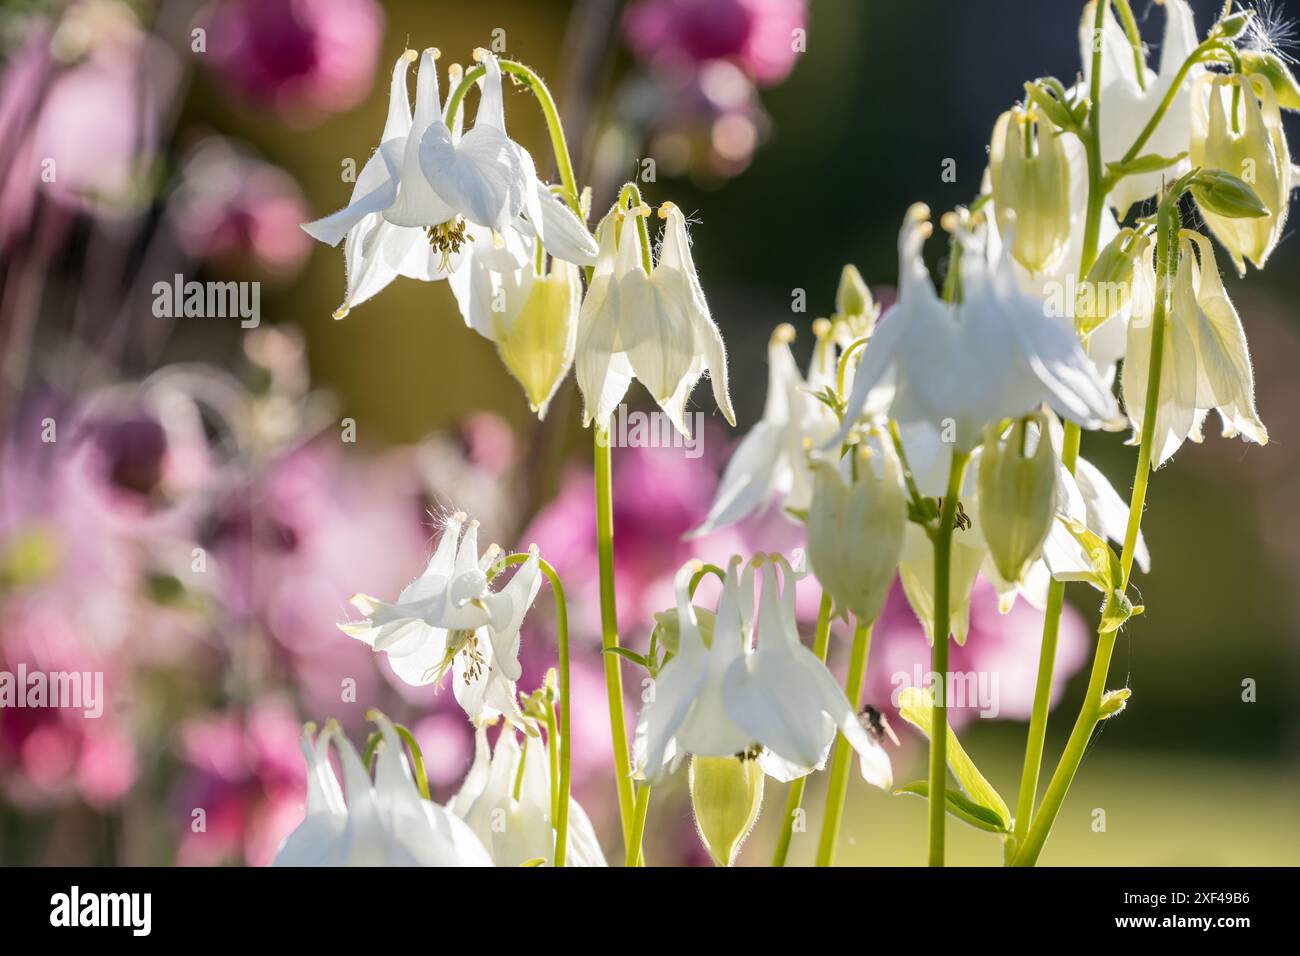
996, 354
1131, 100
506, 801
855, 529
771, 462
429, 193
384, 823
653, 324
1251, 146
1017, 493
724, 699
1030, 178
1206, 362
450, 619
726, 796
376, 251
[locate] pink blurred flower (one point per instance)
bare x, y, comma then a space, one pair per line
239, 212
1001, 652
300, 58
80, 105
757, 35
247, 775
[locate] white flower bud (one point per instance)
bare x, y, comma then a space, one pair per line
855, 530
1030, 178
1237, 128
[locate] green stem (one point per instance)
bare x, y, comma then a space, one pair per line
1196, 56
1070, 450
609, 631
1134, 40
1090, 713
635, 855
942, 614
794, 799
553, 753
842, 762
561, 816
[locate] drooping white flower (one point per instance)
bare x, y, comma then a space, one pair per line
429, 193
384, 823
1129, 101
654, 326
958, 366
771, 461
1205, 362
376, 250
728, 698
1252, 146
450, 619
506, 801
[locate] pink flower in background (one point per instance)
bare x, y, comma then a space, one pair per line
246, 775
1001, 652
79, 114
239, 212
299, 58
757, 35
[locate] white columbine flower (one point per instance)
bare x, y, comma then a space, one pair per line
728, 698
430, 194
654, 326
508, 805
993, 355
1206, 363
450, 619
386, 823
1128, 103
771, 462
375, 250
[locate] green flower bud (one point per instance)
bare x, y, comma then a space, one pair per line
1108, 287
726, 795
1030, 178
853, 297
855, 530
1017, 494
537, 347
1244, 186
1272, 68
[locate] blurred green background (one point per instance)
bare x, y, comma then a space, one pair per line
884, 94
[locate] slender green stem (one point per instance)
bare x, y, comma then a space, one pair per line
1134, 40
561, 816
630, 196
635, 855
1196, 56
609, 631
553, 753
939, 715
794, 798
842, 762
705, 571
1070, 450
1090, 713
